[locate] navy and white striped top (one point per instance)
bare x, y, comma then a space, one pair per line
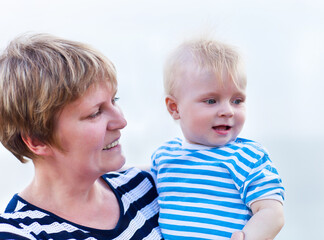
137, 196
206, 193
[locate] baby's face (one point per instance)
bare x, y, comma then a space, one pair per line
211, 113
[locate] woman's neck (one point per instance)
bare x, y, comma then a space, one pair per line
80, 199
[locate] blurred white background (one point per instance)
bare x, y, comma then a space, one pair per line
283, 45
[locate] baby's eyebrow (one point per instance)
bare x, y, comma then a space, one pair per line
211, 94
114, 93
242, 94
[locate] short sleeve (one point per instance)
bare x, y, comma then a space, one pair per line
263, 182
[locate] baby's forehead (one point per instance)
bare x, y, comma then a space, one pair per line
195, 72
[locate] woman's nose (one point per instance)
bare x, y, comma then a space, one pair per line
117, 120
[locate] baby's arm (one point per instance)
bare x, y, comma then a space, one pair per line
266, 222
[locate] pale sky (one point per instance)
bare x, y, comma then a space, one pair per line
282, 42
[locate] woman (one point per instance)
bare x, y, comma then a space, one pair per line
58, 109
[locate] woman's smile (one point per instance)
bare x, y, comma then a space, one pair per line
111, 145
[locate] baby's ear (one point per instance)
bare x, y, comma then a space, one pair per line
172, 106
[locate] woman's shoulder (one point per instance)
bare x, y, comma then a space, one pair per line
10, 228
16, 218
132, 185
129, 178
138, 196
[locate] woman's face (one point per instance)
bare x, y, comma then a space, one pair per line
88, 130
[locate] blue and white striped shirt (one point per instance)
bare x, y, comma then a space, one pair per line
206, 193
137, 197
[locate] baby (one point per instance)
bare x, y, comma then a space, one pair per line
213, 183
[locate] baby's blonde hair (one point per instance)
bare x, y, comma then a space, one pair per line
207, 54
39, 75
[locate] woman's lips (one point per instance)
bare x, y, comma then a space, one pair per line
111, 145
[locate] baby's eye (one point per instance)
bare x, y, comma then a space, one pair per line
210, 101
237, 101
114, 100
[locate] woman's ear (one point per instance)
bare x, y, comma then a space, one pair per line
172, 106
36, 146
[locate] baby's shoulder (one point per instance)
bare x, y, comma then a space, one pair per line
173, 143
251, 145
169, 146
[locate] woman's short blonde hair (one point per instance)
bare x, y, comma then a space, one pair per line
39, 75
205, 53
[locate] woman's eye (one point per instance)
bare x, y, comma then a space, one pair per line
210, 101
96, 114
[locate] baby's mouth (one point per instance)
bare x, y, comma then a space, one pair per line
222, 128
111, 145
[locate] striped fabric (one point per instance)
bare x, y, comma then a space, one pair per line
135, 191
205, 193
